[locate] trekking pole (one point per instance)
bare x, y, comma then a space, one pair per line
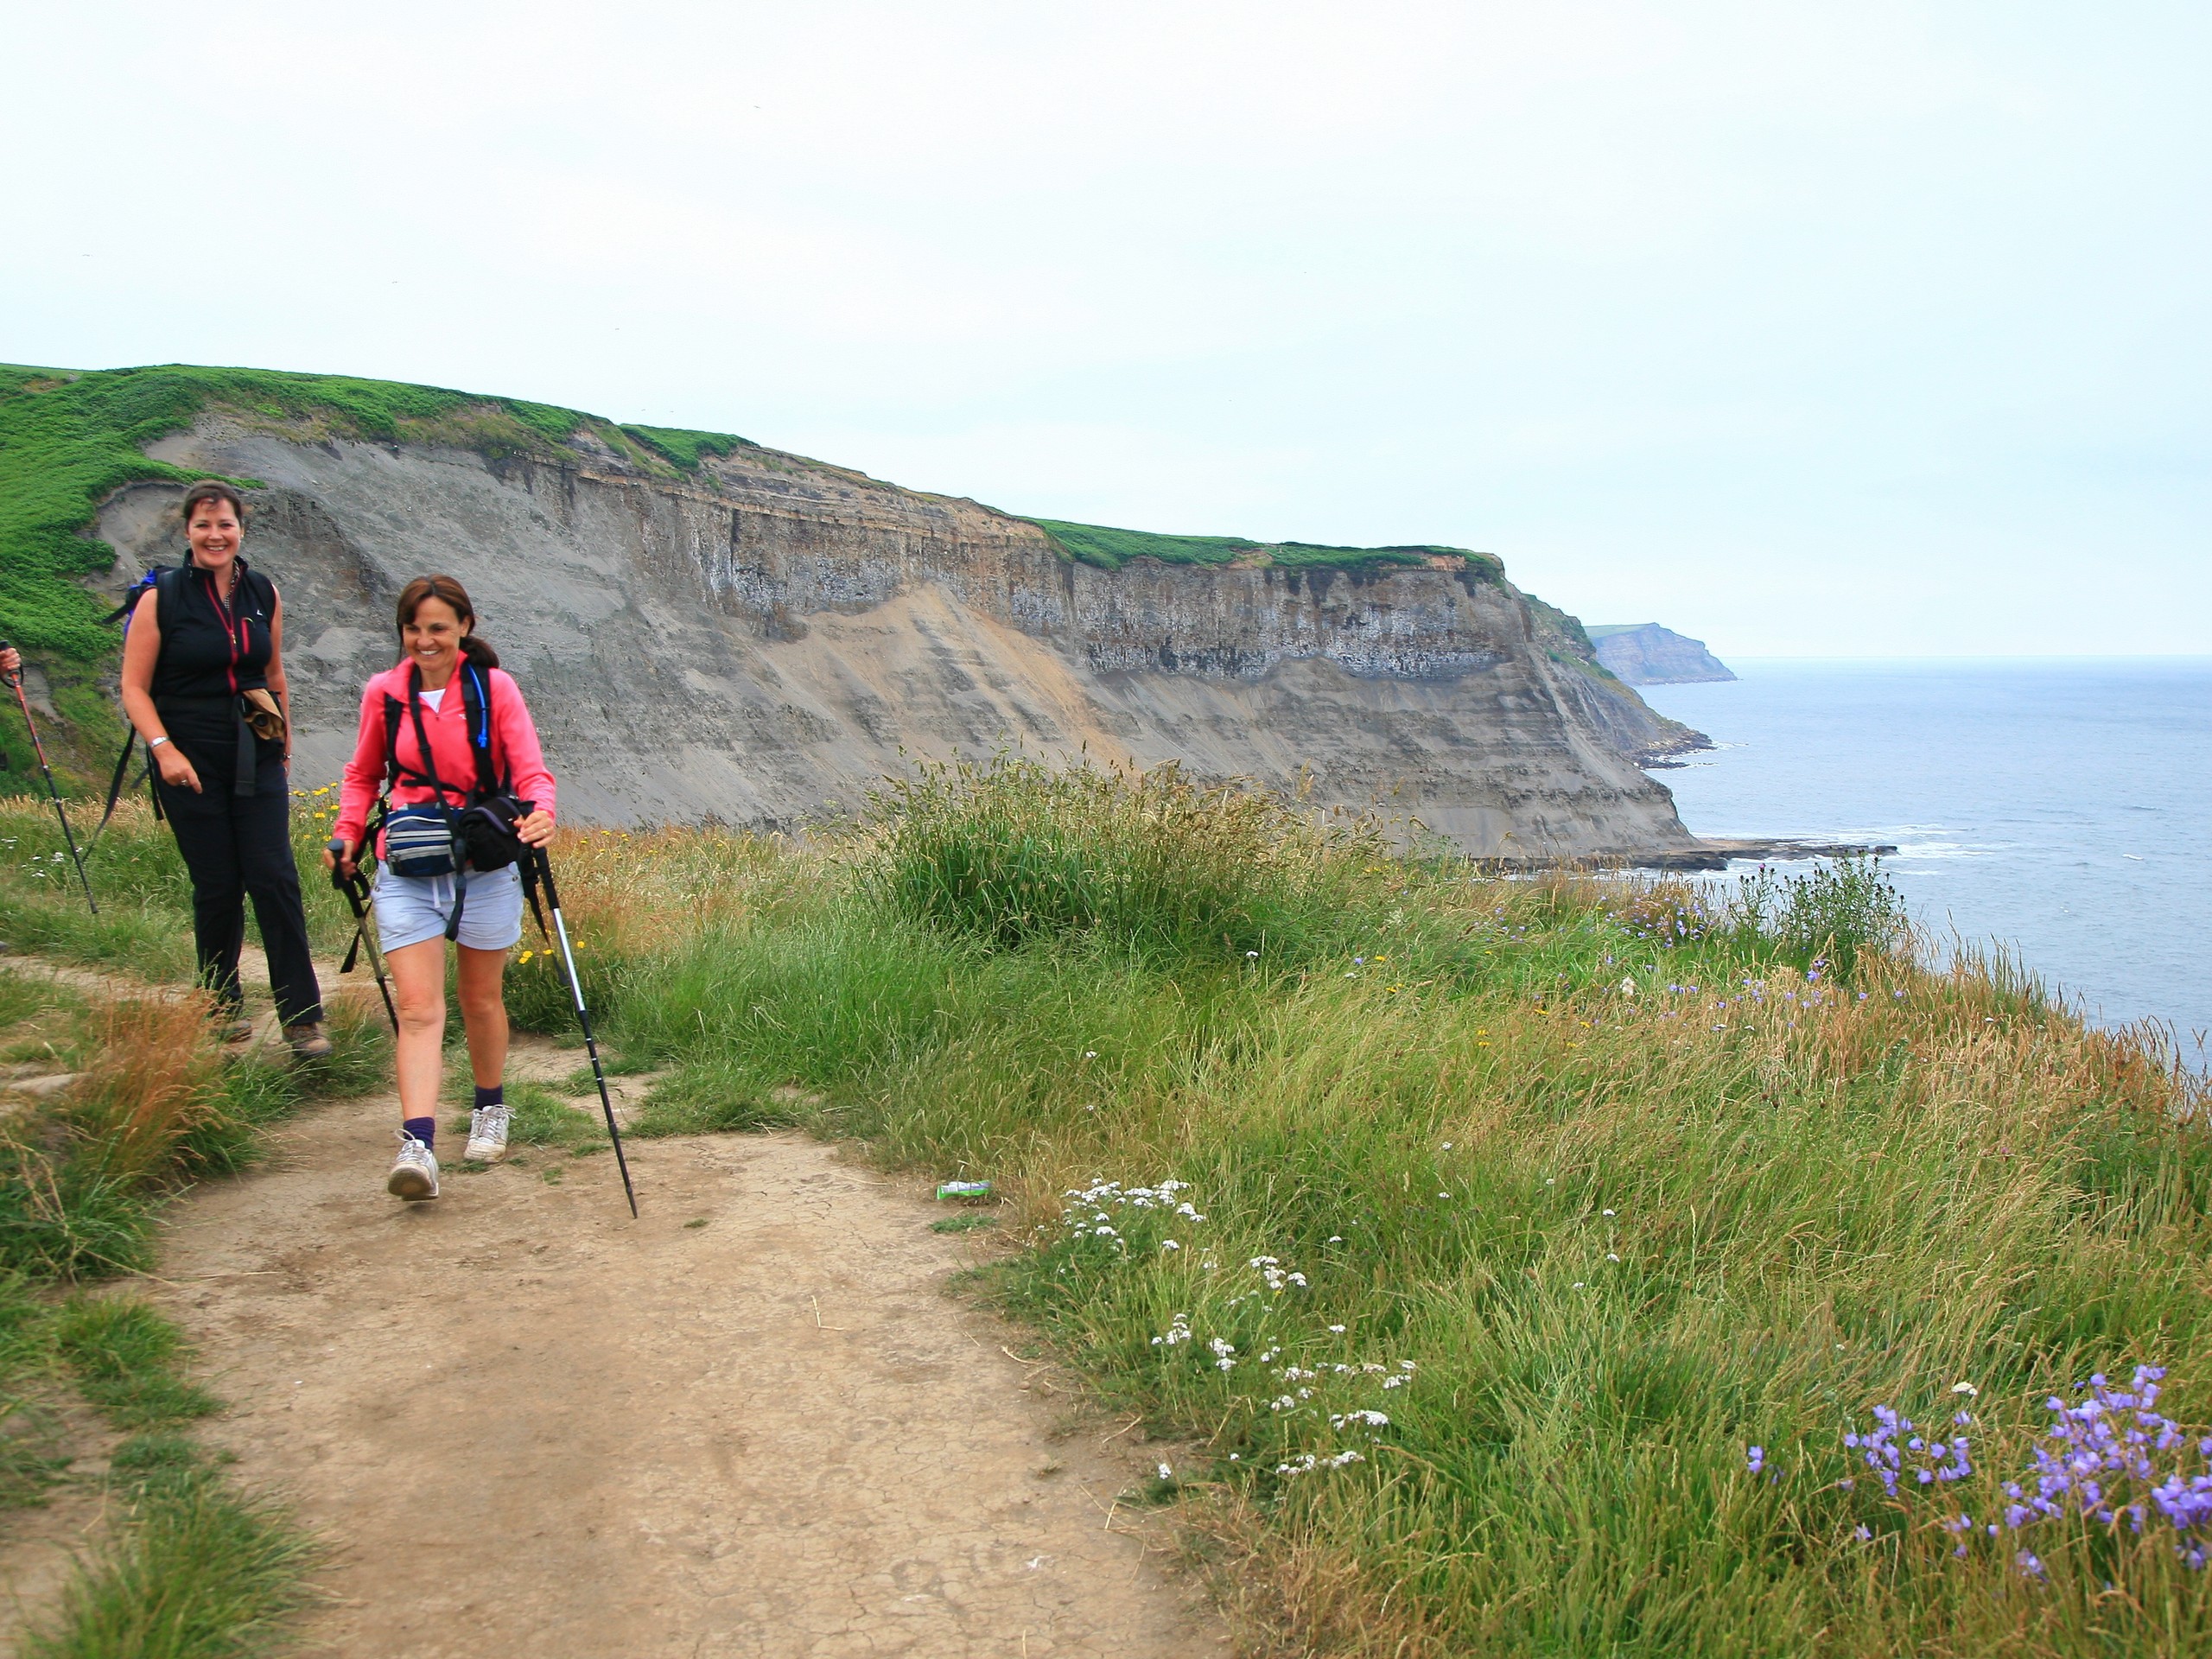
356, 889
15, 679
583, 1017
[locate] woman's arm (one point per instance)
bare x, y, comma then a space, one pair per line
277, 689
359, 783
142, 649
515, 738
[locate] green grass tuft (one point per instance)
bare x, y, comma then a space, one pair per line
967, 1224
1110, 550
125, 1356
196, 1571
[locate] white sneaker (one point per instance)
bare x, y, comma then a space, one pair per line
414, 1173
488, 1133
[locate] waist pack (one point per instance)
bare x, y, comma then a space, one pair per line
262, 715
486, 832
418, 841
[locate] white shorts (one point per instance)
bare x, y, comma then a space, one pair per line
412, 908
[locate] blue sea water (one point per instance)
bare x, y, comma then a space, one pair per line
2062, 807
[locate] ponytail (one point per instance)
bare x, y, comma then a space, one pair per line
473, 645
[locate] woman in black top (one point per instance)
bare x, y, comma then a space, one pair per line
198, 640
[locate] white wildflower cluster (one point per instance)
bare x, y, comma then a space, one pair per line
1179, 1330
1092, 1211
1224, 1354
1271, 1269
1370, 1419
1306, 1464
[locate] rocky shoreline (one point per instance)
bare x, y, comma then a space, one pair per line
1716, 852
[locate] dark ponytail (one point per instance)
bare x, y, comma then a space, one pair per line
473, 645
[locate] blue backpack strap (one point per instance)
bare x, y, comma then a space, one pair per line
476, 703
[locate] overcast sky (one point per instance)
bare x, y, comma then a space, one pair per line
1810, 328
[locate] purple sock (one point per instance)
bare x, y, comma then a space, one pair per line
424, 1129
495, 1096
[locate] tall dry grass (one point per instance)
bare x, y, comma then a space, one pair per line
153, 1082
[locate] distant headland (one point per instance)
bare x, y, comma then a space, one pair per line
1643, 653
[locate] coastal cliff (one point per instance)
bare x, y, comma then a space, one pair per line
1643, 653
758, 637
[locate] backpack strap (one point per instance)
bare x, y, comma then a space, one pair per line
166, 584
476, 704
115, 786
162, 582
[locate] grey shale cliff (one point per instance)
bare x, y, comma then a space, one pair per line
762, 640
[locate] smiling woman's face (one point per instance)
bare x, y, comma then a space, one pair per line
432, 637
214, 532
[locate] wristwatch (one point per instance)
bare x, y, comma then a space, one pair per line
153, 743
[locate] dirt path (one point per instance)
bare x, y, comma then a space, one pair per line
534, 1427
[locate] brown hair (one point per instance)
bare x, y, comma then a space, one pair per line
473, 645
212, 489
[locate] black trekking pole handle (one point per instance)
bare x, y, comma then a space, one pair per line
356, 889
15, 678
544, 864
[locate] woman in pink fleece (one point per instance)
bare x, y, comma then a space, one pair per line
445, 666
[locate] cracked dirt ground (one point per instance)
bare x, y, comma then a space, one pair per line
529, 1426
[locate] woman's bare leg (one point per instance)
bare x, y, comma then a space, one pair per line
483, 1014
419, 979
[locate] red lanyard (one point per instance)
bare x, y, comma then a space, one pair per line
234, 627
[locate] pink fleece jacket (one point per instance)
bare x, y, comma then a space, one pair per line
514, 747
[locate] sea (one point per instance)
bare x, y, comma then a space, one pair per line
2058, 808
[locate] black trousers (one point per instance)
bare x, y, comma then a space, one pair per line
235, 845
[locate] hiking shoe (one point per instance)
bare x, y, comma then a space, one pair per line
415, 1173
235, 1029
488, 1133
309, 1041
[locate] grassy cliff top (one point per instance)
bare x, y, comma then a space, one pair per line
69, 440
1110, 550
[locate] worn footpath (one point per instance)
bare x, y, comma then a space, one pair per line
752, 1422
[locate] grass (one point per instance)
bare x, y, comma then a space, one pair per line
1582, 1187
1110, 550
971, 1223
188, 1565
196, 1571
125, 1356
1506, 1216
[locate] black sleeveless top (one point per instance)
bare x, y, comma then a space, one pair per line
215, 645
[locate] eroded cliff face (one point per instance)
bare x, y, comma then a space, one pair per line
764, 639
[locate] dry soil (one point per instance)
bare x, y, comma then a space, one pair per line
752, 1422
